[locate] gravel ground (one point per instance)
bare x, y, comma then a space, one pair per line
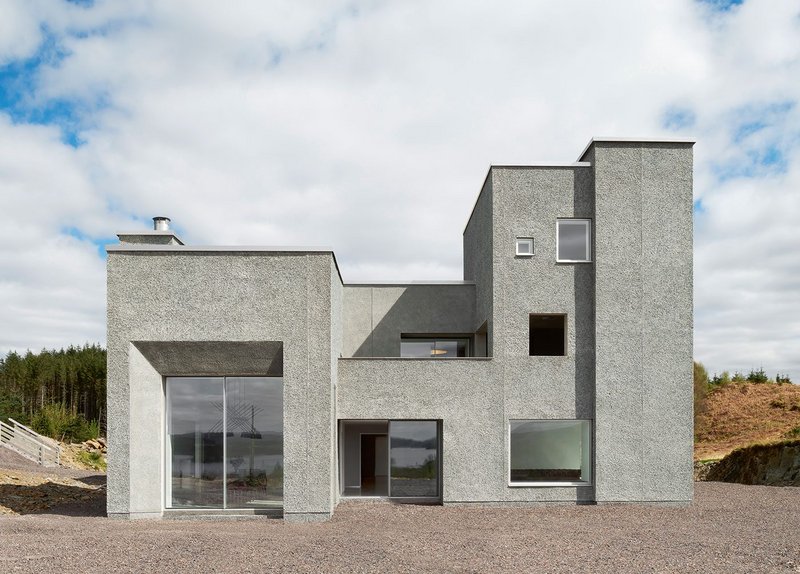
730, 528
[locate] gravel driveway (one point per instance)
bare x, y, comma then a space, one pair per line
730, 528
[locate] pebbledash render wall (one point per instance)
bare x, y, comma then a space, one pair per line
175, 309
234, 303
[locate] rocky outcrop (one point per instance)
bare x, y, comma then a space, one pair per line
776, 464
703, 468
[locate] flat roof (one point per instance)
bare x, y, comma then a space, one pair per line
635, 140
540, 164
123, 247
218, 249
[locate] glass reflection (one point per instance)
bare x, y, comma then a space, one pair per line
195, 435
254, 449
434, 348
573, 240
550, 451
414, 459
227, 456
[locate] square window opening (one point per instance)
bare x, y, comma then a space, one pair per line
574, 240
547, 335
524, 247
550, 452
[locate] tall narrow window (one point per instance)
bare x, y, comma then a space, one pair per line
547, 335
574, 240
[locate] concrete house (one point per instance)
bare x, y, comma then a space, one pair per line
247, 379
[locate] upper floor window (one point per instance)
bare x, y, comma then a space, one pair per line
574, 240
524, 246
434, 348
547, 334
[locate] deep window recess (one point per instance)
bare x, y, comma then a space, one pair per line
524, 246
550, 451
574, 240
434, 348
547, 334
225, 442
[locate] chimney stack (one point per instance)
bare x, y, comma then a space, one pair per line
161, 223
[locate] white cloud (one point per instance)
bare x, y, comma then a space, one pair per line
52, 285
369, 126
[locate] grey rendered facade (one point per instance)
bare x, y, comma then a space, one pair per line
626, 366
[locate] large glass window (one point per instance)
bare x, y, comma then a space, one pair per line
434, 348
550, 451
574, 240
225, 445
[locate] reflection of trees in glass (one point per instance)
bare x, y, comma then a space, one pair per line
425, 470
402, 442
271, 482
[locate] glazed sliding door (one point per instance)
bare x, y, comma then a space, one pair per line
254, 442
414, 459
195, 433
225, 442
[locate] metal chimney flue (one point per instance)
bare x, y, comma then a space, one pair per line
161, 223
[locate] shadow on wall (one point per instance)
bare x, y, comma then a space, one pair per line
585, 349
583, 289
415, 309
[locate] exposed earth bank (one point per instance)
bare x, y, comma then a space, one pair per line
768, 464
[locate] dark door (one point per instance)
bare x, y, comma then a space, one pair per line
367, 464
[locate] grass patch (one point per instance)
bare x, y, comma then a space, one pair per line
93, 459
793, 433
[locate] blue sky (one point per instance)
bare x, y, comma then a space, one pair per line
369, 126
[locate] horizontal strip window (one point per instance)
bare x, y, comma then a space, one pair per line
550, 452
434, 348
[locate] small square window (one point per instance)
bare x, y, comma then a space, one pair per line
574, 240
525, 246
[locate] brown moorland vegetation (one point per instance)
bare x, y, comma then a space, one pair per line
743, 413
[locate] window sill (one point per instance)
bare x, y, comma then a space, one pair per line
548, 484
441, 359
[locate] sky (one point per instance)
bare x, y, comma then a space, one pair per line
368, 126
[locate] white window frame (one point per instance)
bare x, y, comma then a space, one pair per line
550, 483
520, 240
588, 225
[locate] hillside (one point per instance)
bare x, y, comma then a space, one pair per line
740, 414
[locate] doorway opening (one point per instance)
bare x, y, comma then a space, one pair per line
399, 459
